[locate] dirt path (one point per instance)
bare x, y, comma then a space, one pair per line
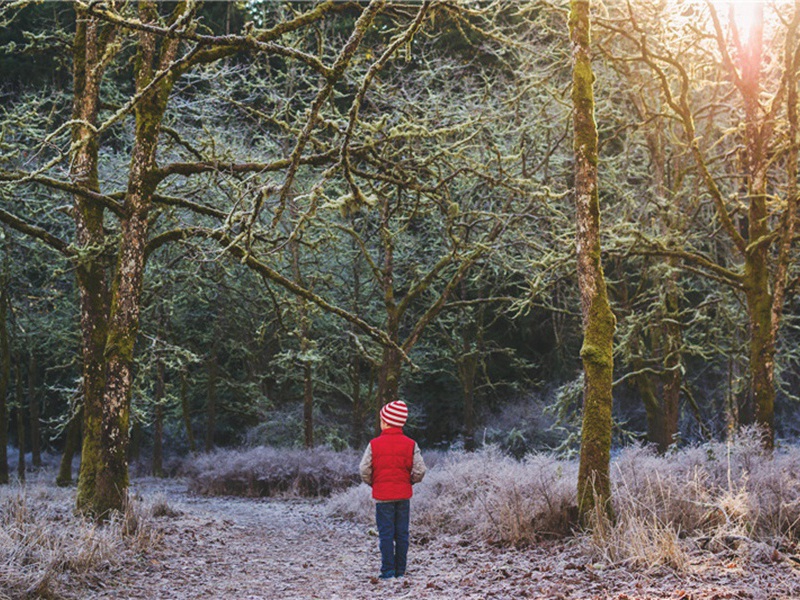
246, 549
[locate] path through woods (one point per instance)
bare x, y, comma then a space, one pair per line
276, 549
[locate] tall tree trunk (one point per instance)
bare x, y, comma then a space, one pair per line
757, 283
112, 478
20, 423
5, 373
72, 444
158, 422
33, 411
594, 487
89, 45
186, 412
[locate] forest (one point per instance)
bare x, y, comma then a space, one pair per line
562, 231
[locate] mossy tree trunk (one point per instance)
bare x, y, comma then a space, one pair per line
760, 407
111, 479
90, 42
594, 488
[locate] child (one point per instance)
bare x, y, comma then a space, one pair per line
392, 463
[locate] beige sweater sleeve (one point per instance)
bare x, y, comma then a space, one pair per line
365, 467
418, 468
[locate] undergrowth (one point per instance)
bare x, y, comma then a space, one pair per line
727, 497
266, 471
47, 551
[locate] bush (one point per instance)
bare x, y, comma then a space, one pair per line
267, 471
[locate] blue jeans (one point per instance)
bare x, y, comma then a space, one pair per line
392, 519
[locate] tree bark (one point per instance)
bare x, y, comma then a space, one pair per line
594, 488
123, 324
757, 283
88, 47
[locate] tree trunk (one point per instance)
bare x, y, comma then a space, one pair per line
33, 411
71, 445
111, 483
5, 374
88, 47
20, 424
594, 488
158, 422
185, 412
756, 268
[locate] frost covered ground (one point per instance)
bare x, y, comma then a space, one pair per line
245, 548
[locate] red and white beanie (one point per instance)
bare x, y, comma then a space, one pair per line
395, 414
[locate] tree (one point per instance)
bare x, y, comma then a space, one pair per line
754, 191
594, 486
111, 306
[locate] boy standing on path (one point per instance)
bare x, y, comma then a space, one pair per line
392, 463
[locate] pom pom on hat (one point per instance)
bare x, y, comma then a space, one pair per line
395, 413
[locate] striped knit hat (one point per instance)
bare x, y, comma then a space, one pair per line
395, 413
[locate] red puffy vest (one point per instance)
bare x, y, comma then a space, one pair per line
392, 458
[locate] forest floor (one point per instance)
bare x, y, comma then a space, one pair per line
224, 547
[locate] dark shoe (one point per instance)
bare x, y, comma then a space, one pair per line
387, 575
399, 574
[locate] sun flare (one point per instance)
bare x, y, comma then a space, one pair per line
741, 15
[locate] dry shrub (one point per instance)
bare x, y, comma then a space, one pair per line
484, 496
635, 540
730, 497
732, 488
46, 551
268, 471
